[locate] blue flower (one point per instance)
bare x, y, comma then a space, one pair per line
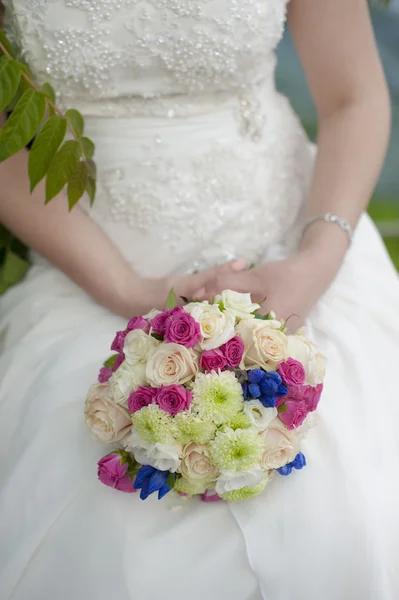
286, 470
282, 390
268, 386
151, 480
245, 390
268, 401
255, 375
298, 463
254, 390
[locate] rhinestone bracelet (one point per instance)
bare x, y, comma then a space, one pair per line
331, 218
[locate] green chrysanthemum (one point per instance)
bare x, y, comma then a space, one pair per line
236, 450
239, 421
246, 492
191, 428
153, 424
217, 397
191, 488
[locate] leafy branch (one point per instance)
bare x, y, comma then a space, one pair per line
35, 116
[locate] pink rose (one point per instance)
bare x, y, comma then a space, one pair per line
294, 414
138, 323
118, 341
119, 361
113, 473
292, 372
233, 351
312, 396
210, 496
158, 323
104, 374
173, 398
182, 328
212, 360
143, 396
306, 393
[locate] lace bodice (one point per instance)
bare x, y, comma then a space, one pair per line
110, 49
199, 158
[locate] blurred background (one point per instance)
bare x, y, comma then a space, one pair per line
384, 207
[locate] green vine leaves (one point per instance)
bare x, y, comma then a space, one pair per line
35, 116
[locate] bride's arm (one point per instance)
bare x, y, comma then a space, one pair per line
335, 42
79, 247
336, 45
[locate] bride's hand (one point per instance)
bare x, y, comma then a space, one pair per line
154, 292
290, 287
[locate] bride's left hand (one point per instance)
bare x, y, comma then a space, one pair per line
289, 287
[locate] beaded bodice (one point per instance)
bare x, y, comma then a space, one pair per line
199, 159
105, 49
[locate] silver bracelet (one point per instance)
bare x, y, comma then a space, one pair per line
331, 218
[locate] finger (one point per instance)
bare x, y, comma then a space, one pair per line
199, 281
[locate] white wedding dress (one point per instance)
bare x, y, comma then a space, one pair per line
200, 160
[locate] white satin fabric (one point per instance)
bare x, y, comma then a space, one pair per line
203, 162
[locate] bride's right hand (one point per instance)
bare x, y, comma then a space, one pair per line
154, 292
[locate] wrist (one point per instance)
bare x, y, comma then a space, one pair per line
324, 246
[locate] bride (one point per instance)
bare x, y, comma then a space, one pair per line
203, 170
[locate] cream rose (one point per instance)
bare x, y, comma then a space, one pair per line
240, 305
280, 445
107, 421
259, 415
196, 463
139, 346
126, 379
217, 327
307, 353
171, 364
265, 345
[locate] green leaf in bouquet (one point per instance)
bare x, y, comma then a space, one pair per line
185, 300
10, 74
110, 362
23, 86
157, 336
221, 305
77, 184
88, 147
62, 168
171, 480
22, 124
282, 408
92, 168
76, 121
44, 148
49, 92
171, 300
6, 43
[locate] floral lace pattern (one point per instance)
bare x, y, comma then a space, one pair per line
154, 46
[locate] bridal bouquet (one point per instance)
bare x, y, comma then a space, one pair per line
208, 399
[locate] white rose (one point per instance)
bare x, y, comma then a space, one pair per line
280, 445
171, 364
165, 457
259, 415
217, 327
108, 422
265, 345
229, 481
307, 353
126, 379
139, 346
240, 305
